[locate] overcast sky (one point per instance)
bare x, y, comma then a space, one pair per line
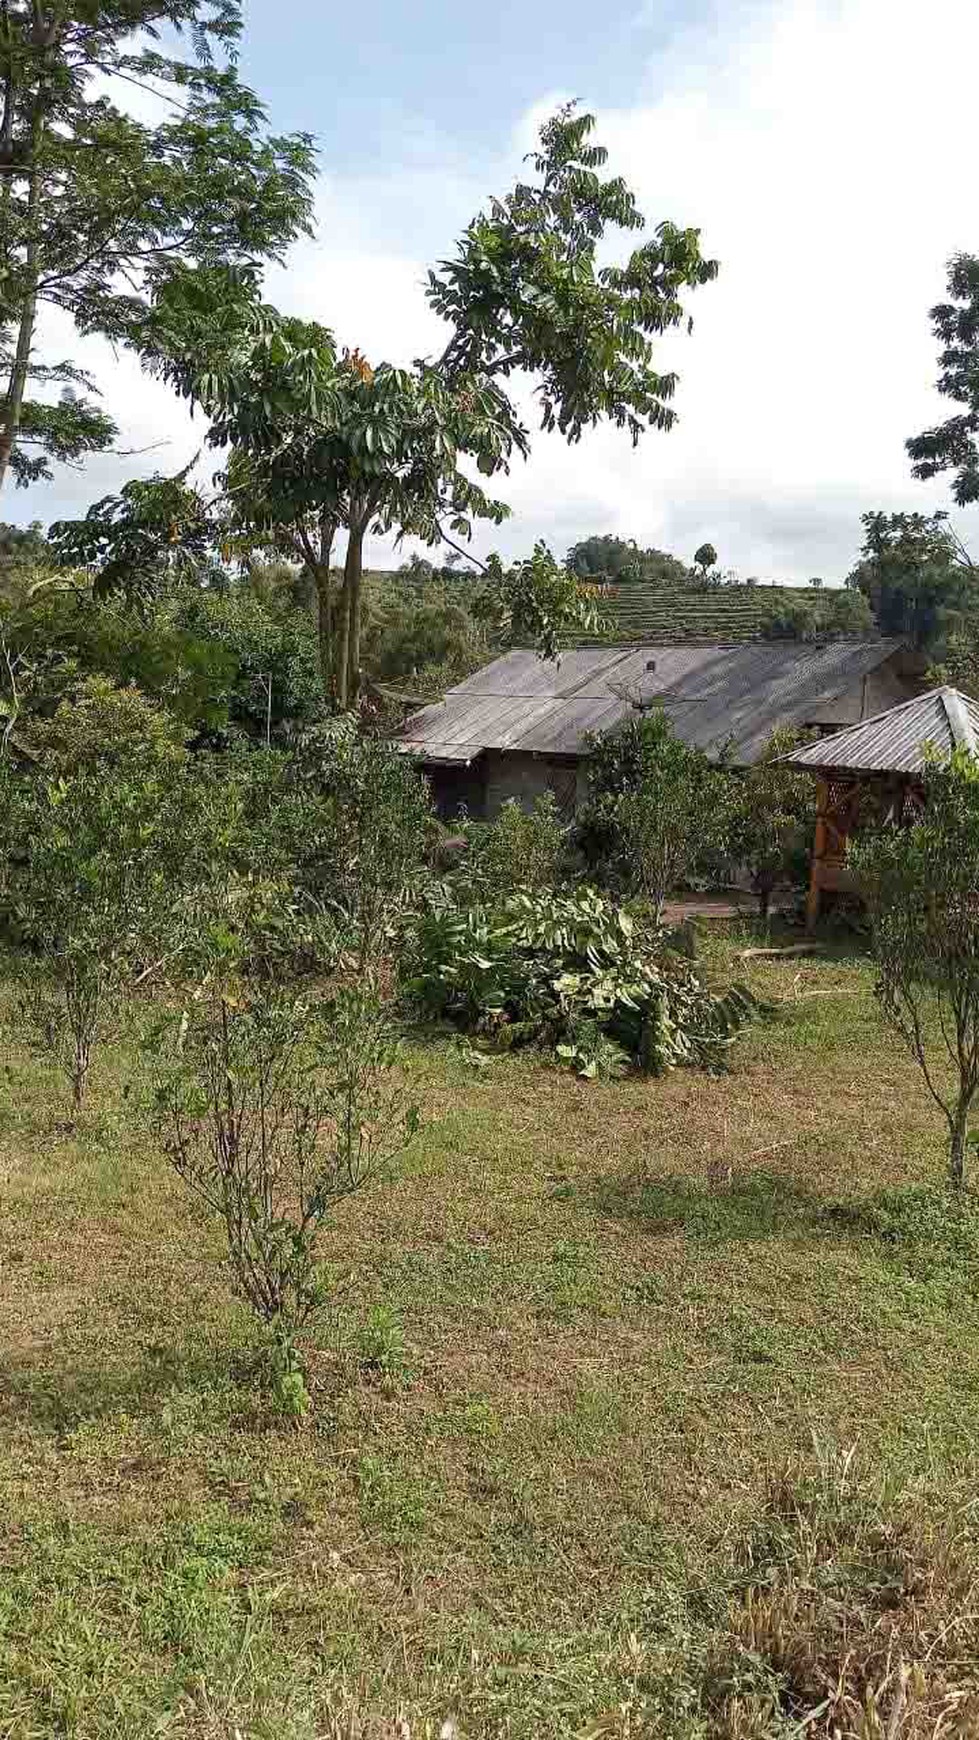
825, 148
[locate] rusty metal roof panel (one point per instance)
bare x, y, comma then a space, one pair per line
901, 740
716, 695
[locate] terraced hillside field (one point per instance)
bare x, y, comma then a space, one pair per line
660, 614
663, 614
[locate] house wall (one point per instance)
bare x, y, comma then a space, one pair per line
882, 688
516, 774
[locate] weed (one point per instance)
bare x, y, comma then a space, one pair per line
381, 1348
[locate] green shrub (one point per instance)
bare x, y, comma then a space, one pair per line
920, 885
94, 861
520, 849
103, 726
339, 829
772, 818
563, 970
272, 1105
658, 812
383, 827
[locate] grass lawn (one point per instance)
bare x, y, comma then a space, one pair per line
645, 1408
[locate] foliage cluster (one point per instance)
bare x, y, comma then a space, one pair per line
606, 558
247, 886
916, 576
772, 819
658, 811
99, 207
818, 615
573, 971
520, 849
661, 815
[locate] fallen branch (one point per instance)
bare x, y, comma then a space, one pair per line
148, 972
773, 1148
807, 948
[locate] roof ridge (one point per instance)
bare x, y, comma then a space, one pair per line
957, 713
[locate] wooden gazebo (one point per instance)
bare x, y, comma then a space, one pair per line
885, 757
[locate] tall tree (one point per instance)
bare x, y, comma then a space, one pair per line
322, 441
606, 557
954, 444
916, 575
525, 294
97, 206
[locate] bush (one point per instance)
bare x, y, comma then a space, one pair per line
274, 688
520, 849
772, 818
93, 872
572, 971
657, 812
56, 637
383, 828
105, 727
426, 638
272, 1106
332, 838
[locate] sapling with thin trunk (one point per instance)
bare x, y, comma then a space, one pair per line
273, 1103
921, 885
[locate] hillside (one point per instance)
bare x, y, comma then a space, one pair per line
658, 612
663, 614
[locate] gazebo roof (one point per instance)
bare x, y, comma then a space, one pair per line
902, 740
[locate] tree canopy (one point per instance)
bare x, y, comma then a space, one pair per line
954, 445
608, 558
916, 576
97, 207
322, 440
524, 292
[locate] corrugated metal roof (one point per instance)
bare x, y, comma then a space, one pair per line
715, 695
440, 753
900, 740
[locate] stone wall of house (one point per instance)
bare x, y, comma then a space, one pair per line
516, 774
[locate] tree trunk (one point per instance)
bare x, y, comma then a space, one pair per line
960, 1132
356, 550
13, 403
348, 652
79, 1073
343, 647
324, 607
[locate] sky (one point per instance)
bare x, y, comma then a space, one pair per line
824, 148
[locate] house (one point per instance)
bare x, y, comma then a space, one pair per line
519, 727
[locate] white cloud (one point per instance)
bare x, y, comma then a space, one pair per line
826, 150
